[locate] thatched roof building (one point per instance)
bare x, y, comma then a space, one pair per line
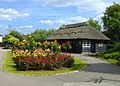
81, 34
78, 31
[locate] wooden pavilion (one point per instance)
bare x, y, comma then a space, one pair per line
82, 36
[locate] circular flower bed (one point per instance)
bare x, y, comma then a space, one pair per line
40, 56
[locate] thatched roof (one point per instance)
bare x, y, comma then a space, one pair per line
78, 31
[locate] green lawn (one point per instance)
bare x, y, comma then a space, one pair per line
9, 66
112, 61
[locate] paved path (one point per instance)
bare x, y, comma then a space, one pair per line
98, 73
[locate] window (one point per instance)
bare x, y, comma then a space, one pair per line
77, 43
100, 44
86, 44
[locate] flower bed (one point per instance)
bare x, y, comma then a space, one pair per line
41, 56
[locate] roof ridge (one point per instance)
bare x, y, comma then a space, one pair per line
74, 25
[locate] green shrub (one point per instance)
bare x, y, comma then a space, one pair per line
100, 54
116, 46
107, 56
114, 55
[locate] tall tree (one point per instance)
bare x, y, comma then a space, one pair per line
41, 35
111, 22
16, 34
95, 24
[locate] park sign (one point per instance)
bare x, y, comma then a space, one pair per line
0, 38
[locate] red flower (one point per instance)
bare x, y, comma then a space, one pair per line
54, 59
30, 59
35, 60
39, 59
27, 57
61, 57
47, 62
21, 60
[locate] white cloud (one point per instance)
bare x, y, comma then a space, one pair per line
76, 19
10, 14
58, 3
69, 20
98, 17
3, 26
26, 27
60, 21
46, 21
94, 6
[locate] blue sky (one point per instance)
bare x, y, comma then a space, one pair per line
29, 15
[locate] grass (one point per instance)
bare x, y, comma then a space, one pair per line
112, 61
9, 66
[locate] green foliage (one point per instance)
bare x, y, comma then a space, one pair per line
16, 34
66, 45
111, 57
95, 24
41, 35
116, 47
38, 35
100, 54
111, 21
10, 39
114, 55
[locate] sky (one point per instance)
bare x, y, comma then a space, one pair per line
28, 15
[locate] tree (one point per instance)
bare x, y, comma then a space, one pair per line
16, 34
10, 40
111, 22
41, 35
95, 24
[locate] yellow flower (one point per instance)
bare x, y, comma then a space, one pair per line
24, 40
47, 50
22, 43
51, 42
55, 42
30, 36
59, 47
45, 42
